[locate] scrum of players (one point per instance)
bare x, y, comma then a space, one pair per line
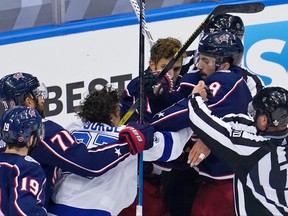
235, 151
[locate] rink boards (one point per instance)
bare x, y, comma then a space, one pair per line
77, 56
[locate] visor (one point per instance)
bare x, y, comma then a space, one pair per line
251, 111
41, 91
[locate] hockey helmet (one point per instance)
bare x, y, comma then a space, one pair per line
14, 88
222, 45
19, 123
272, 102
226, 22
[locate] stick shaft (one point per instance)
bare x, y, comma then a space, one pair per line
141, 103
136, 9
220, 9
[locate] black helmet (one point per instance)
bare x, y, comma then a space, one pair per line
272, 102
222, 45
18, 124
226, 22
14, 88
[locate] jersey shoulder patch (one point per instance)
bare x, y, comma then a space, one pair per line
30, 159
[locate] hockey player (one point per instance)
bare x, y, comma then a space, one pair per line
221, 51
109, 193
59, 148
234, 25
23, 181
256, 149
222, 22
219, 54
160, 54
228, 23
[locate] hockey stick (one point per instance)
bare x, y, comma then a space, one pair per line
220, 9
136, 9
139, 210
3, 106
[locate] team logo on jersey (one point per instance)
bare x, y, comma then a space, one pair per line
156, 139
32, 113
18, 75
30, 159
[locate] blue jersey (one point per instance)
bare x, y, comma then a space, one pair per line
22, 186
230, 95
191, 78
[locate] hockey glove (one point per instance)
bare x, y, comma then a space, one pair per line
148, 83
164, 86
138, 137
150, 87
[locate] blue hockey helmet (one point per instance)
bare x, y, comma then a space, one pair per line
226, 22
222, 45
15, 87
272, 102
18, 124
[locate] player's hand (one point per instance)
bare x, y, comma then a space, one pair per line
148, 82
138, 137
203, 90
163, 86
198, 153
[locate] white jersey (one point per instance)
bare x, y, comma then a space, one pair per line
117, 188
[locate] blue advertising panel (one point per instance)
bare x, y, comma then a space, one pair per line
267, 50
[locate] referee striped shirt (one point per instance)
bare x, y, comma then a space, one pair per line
260, 163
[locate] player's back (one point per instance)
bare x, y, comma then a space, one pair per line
21, 182
107, 192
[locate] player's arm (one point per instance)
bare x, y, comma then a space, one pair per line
167, 146
166, 99
59, 148
224, 141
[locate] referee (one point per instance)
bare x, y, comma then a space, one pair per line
255, 148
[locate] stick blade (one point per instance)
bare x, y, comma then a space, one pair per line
253, 7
